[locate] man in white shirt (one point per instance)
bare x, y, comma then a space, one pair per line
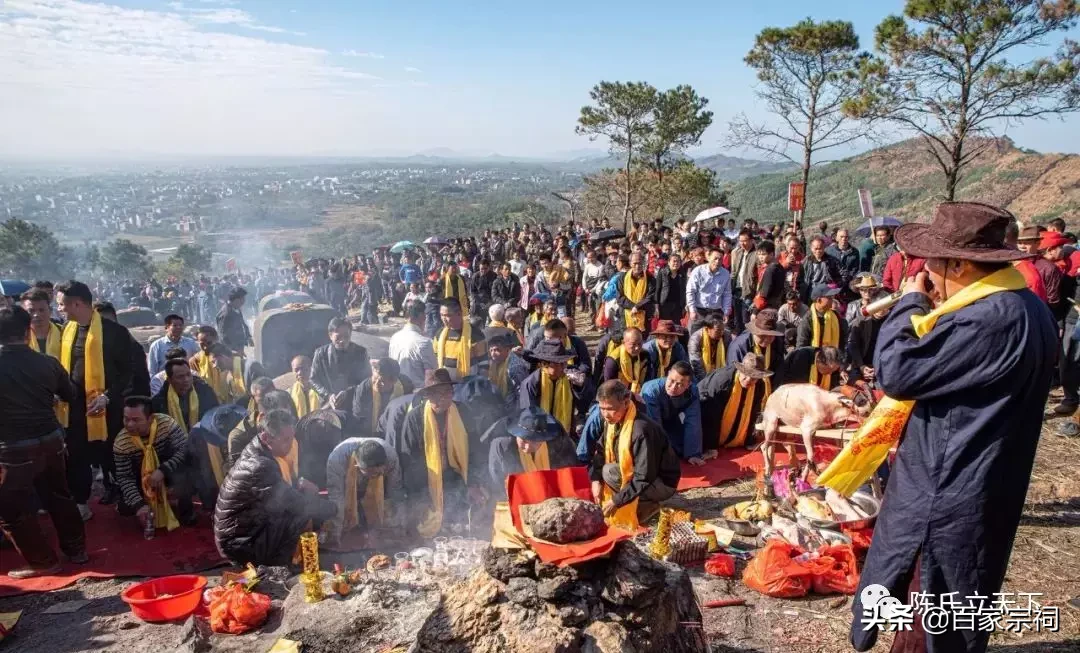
413, 350
174, 337
708, 291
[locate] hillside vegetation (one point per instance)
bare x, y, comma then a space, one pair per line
906, 182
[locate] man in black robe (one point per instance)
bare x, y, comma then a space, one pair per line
230, 322
340, 364
464, 482
980, 377
818, 365
512, 444
551, 359
480, 289
760, 338
121, 356
716, 391
815, 320
179, 379
357, 402
637, 359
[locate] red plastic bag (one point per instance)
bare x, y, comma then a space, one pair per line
236, 610
773, 571
721, 564
860, 539
835, 570
603, 320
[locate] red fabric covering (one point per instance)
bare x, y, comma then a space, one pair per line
738, 463
117, 548
1031, 277
534, 487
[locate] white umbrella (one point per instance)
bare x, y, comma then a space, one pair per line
708, 214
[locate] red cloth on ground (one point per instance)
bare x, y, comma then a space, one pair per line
534, 487
116, 548
733, 464
893, 275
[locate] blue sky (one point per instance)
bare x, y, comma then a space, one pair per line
283, 77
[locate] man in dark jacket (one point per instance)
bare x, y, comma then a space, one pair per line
671, 290
769, 277
480, 289
979, 376
847, 259
340, 364
359, 403
261, 512
180, 382
230, 322
506, 289
819, 268
90, 439
535, 442
654, 467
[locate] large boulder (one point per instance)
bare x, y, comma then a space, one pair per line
565, 520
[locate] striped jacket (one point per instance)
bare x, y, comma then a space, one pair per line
170, 445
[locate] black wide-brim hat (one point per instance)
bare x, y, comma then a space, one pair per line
965, 231
536, 425
549, 350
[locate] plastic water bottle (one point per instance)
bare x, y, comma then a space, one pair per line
148, 528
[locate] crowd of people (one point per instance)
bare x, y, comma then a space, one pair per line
697, 324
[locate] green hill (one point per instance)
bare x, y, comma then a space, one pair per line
906, 182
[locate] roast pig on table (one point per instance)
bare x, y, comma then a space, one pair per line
806, 407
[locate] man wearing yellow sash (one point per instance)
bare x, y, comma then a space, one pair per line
184, 397
506, 369
635, 467
44, 334
731, 400
708, 347
966, 359
552, 387
364, 403
535, 442
263, 505
304, 396
557, 329
460, 348
363, 481
628, 362
100, 356
264, 397
151, 455
664, 348
762, 337
674, 403
443, 468
453, 287
817, 365
636, 295
822, 326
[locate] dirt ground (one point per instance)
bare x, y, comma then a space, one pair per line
1045, 559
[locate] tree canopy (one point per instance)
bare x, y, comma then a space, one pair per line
950, 70
124, 259
31, 251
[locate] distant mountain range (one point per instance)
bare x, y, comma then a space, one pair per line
907, 183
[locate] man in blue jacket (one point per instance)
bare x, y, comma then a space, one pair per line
673, 402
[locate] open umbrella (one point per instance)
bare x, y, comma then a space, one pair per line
13, 288
401, 246
605, 234
435, 240
708, 214
873, 223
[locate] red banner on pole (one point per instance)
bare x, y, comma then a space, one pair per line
796, 196
230, 265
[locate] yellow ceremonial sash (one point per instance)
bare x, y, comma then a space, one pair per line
97, 430
768, 360
557, 399
882, 430
462, 296
497, 376
177, 414
619, 452
204, 365
731, 409
288, 463
630, 373
376, 401
52, 341
634, 290
306, 401
824, 382
570, 348
236, 379
712, 360
663, 358
534, 462
457, 455
832, 329
497, 323
163, 514
459, 349
374, 501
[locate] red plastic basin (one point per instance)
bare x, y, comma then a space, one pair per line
165, 599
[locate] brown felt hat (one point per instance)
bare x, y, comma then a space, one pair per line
433, 379
965, 231
764, 324
753, 366
668, 328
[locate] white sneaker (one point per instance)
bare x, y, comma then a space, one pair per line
85, 512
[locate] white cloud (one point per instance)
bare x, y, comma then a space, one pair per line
359, 53
82, 77
410, 69
228, 16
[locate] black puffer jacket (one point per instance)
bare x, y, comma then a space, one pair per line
259, 516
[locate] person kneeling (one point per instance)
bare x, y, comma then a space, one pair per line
151, 456
537, 442
363, 478
261, 509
